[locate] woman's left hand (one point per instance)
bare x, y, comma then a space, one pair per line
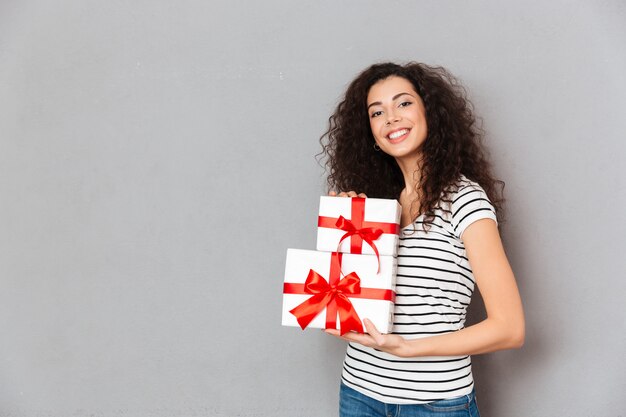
390, 343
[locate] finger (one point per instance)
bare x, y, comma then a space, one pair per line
362, 195
351, 194
332, 193
360, 338
337, 334
332, 332
343, 194
373, 331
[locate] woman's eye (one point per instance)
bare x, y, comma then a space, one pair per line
405, 103
376, 113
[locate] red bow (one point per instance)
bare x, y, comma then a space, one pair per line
367, 234
332, 297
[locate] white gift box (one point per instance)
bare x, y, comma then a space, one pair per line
377, 292
365, 214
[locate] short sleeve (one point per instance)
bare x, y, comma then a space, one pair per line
469, 204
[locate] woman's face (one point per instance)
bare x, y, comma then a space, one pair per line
397, 117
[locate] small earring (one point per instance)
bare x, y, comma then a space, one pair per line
376, 147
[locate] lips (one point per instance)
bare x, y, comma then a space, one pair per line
398, 135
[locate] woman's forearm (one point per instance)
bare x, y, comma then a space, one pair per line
489, 335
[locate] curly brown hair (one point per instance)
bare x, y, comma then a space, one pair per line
453, 146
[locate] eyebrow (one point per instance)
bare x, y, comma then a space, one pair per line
378, 103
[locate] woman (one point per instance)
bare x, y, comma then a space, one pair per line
408, 132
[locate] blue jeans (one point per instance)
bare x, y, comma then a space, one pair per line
354, 404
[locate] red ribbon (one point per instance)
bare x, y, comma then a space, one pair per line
334, 296
357, 229
368, 234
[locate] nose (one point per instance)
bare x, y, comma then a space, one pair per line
392, 117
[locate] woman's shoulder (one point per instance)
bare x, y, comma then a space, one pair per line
468, 202
461, 187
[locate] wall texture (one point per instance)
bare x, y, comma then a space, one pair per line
157, 159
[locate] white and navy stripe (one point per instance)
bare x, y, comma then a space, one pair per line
433, 289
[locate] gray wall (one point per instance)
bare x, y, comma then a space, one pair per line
157, 159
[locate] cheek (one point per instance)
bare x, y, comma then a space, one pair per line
375, 127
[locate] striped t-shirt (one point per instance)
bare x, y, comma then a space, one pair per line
433, 289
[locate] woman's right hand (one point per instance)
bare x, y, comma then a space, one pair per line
346, 194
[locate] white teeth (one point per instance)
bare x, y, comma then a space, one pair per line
397, 134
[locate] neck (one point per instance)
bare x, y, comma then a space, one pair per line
411, 172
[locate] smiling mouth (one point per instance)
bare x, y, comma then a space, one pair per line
397, 134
